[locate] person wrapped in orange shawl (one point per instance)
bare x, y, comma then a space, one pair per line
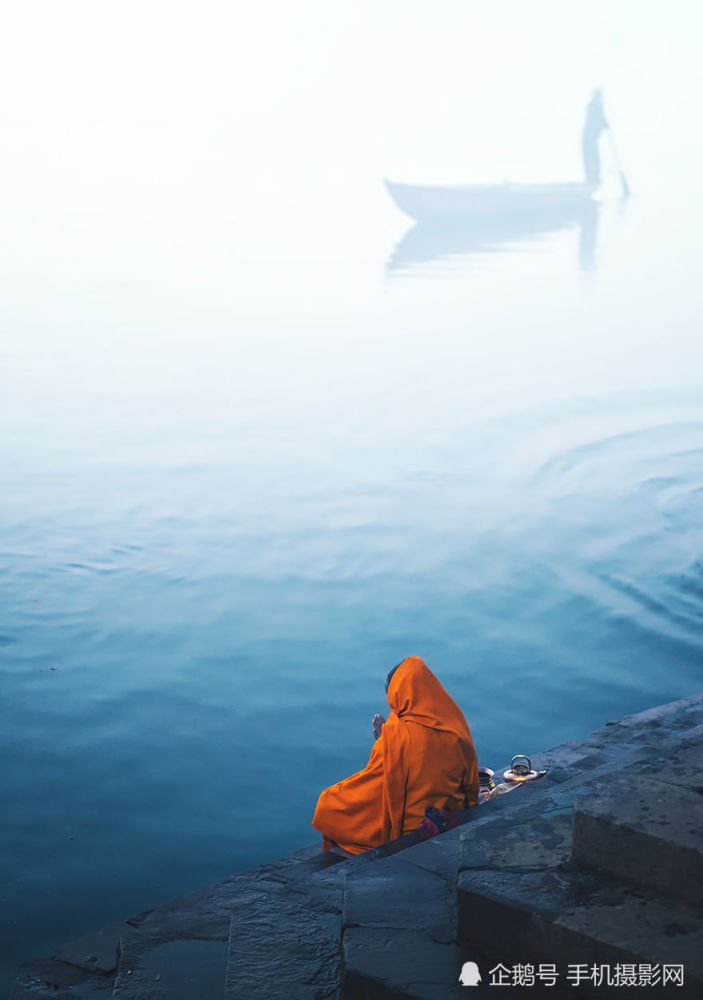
423, 756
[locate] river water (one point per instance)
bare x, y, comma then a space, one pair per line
248, 468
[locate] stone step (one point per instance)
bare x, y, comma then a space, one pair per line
176, 969
403, 964
518, 885
399, 925
576, 920
48, 979
285, 942
399, 929
279, 948
80, 968
399, 915
646, 831
206, 946
178, 950
305, 889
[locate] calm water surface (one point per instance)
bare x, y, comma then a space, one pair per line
248, 468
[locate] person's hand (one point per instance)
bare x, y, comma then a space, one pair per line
378, 721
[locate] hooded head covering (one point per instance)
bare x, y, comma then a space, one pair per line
415, 695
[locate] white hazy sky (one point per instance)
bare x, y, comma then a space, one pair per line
171, 106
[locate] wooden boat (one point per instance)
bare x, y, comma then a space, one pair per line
437, 204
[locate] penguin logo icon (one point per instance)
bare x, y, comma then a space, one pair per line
470, 976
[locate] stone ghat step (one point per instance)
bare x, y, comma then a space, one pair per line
651, 740
646, 831
250, 936
283, 945
399, 929
572, 919
398, 923
399, 915
286, 942
518, 885
171, 970
288, 945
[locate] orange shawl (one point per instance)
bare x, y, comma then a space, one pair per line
424, 757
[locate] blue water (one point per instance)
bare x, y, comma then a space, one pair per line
246, 471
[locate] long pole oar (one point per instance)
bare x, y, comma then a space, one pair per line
626, 192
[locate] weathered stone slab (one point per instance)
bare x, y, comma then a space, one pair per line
683, 738
644, 831
535, 843
94, 952
382, 964
689, 719
174, 970
279, 949
276, 930
661, 726
504, 906
395, 894
132, 982
203, 914
553, 794
643, 928
439, 854
43, 978
680, 762
563, 762
570, 917
297, 866
484, 843
668, 712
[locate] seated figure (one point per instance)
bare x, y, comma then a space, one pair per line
423, 756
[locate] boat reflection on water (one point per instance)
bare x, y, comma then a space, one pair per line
458, 221
492, 229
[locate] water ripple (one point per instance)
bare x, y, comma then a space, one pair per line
625, 511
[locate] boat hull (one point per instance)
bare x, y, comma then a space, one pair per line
427, 203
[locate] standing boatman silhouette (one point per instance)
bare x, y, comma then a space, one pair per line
593, 128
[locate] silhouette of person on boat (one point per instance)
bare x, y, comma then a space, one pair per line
593, 128
469, 219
